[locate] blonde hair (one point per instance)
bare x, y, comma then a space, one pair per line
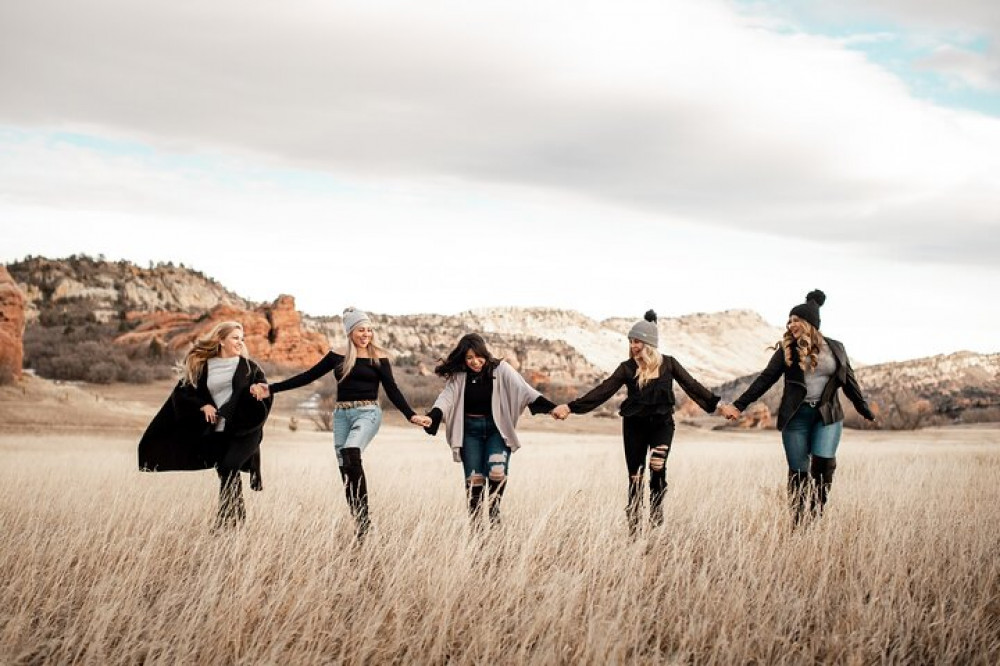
808, 346
649, 361
351, 355
205, 348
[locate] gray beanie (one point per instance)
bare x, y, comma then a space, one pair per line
354, 318
645, 330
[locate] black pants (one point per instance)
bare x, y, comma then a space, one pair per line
646, 435
230, 456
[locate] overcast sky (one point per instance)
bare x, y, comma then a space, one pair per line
606, 156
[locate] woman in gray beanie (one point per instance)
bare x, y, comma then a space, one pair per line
359, 369
810, 417
647, 414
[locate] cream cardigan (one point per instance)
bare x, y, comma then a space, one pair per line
511, 394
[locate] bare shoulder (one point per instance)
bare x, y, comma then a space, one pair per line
339, 351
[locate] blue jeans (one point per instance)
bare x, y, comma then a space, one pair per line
483, 448
806, 435
355, 428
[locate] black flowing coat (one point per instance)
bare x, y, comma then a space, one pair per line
178, 436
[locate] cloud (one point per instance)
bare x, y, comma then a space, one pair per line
972, 69
963, 36
684, 110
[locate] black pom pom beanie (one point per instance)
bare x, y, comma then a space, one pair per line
809, 311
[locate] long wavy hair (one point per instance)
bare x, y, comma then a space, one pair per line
806, 347
649, 360
454, 363
351, 355
205, 348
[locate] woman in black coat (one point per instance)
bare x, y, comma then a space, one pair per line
810, 417
212, 420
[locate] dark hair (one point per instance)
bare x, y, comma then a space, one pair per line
455, 361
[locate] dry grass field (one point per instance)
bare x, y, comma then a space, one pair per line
102, 564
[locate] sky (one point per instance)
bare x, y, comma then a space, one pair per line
603, 156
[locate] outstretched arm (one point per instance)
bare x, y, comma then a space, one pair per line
326, 364
601, 393
701, 395
775, 368
396, 396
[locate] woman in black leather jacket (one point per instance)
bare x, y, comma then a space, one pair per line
810, 417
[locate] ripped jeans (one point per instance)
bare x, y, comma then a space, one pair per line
483, 448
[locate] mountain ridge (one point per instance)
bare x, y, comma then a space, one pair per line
163, 306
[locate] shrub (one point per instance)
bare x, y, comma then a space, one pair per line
103, 372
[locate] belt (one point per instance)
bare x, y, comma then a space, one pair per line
351, 404
811, 403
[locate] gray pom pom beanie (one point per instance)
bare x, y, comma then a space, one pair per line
645, 331
354, 318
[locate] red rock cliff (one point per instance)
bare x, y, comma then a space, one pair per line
11, 325
273, 332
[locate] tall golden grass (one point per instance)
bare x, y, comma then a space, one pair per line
103, 564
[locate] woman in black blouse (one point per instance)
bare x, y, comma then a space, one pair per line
359, 369
648, 422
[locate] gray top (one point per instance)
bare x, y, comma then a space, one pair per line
817, 379
220, 383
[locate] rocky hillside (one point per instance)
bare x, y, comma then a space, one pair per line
570, 348
113, 288
949, 387
106, 321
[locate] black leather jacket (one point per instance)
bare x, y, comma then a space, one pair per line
795, 387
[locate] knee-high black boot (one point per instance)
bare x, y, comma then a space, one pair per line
657, 492
822, 470
496, 489
474, 493
633, 509
798, 495
657, 484
232, 510
356, 489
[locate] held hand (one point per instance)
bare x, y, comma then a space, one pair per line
211, 413
561, 412
730, 412
260, 391
422, 421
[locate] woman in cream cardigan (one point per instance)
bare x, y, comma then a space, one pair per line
480, 405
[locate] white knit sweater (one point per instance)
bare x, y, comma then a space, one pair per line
511, 394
